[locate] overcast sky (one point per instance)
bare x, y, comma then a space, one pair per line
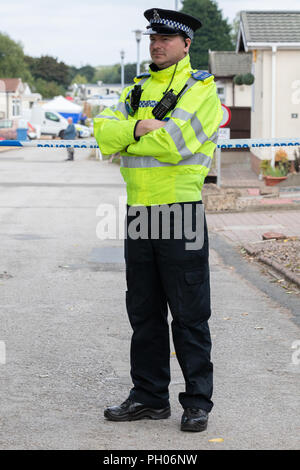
81, 32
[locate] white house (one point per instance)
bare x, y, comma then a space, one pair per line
93, 90
273, 39
15, 97
225, 65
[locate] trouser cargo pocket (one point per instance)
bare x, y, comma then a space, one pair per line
194, 296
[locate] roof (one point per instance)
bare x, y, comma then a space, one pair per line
61, 105
269, 27
10, 84
229, 63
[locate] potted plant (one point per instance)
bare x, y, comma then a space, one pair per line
276, 174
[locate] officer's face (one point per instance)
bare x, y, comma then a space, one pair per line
167, 50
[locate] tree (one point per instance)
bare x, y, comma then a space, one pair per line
214, 33
12, 60
48, 89
72, 72
48, 68
235, 26
129, 72
112, 73
88, 72
79, 79
108, 73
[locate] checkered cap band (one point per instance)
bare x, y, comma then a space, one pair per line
175, 25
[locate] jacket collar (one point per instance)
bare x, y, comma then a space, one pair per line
164, 74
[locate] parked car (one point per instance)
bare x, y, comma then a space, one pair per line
8, 129
16, 129
83, 132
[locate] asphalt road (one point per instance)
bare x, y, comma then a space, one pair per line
66, 332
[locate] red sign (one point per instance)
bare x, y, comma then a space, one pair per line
226, 116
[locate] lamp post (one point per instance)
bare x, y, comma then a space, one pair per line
122, 53
138, 37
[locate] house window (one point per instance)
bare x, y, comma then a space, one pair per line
89, 92
16, 107
6, 124
221, 93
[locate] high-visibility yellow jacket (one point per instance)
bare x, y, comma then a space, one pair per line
169, 164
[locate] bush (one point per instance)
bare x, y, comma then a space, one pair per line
238, 80
248, 79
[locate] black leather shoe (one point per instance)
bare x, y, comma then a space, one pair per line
132, 411
194, 419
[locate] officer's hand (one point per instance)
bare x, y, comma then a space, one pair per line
148, 125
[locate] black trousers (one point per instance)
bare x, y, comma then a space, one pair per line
160, 273
70, 153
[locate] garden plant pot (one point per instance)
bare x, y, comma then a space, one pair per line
272, 180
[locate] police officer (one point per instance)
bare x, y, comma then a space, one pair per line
165, 128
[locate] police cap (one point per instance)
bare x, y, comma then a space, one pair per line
168, 22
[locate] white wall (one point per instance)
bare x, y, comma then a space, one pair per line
242, 93
287, 97
3, 103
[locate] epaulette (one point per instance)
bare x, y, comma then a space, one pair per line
201, 75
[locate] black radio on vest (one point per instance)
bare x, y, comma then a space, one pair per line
166, 104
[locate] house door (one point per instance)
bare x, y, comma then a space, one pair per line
240, 122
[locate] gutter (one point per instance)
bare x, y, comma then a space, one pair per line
264, 45
273, 101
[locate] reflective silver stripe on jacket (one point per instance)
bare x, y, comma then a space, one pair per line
151, 162
122, 108
181, 114
107, 117
175, 133
214, 137
198, 129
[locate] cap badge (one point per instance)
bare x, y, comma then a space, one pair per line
156, 16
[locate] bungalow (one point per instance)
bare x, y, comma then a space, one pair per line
225, 65
273, 39
15, 97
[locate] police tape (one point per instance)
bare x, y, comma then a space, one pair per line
92, 144
53, 144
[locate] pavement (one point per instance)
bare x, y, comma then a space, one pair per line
254, 195
67, 336
240, 228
